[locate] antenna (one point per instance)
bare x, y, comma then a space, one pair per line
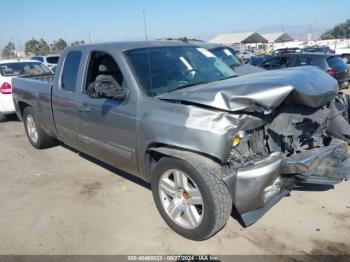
89, 38
145, 24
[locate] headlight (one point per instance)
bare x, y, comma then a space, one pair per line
237, 139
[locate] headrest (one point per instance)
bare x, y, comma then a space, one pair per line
102, 69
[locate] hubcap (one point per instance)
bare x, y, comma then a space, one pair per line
31, 128
181, 199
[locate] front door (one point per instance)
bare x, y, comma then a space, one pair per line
107, 127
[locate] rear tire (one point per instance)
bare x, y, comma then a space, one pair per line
37, 137
3, 117
203, 200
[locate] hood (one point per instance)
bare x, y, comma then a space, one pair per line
267, 90
247, 69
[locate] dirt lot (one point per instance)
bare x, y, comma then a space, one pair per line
57, 202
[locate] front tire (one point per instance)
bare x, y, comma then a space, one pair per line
195, 205
37, 137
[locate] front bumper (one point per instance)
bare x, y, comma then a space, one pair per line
257, 187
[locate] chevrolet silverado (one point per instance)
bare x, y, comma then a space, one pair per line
175, 115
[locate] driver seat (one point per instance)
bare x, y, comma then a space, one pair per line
109, 72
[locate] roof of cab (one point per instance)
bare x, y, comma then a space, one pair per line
123, 46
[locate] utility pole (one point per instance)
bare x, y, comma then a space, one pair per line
89, 38
145, 24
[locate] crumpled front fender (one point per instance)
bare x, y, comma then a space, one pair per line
257, 187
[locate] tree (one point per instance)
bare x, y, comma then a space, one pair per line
338, 32
76, 43
44, 48
58, 46
32, 47
9, 51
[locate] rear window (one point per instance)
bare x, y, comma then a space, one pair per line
52, 59
70, 70
336, 62
319, 61
24, 69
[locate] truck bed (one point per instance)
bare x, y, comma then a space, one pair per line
44, 78
36, 91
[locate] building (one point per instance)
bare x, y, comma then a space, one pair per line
240, 39
278, 37
278, 40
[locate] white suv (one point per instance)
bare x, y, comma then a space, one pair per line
10, 69
49, 60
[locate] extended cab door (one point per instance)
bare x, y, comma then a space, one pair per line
64, 97
107, 127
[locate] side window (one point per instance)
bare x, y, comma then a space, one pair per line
70, 70
273, 63
103, 67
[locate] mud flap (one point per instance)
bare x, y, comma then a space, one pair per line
328, 166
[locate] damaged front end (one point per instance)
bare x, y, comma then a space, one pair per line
300, 145
303, 139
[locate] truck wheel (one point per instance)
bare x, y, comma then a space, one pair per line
195, 205
37, 137
3, 117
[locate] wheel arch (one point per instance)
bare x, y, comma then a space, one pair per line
21, 106
155, 152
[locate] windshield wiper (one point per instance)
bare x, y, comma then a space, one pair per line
228, 77
192, 84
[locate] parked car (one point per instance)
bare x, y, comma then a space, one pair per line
344, 53
49, 60
227, 55
334, 65
244, 55
288, 50
176, 116
258, 59
10, 69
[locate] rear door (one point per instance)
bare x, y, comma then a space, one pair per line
64, 97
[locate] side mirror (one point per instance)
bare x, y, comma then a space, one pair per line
106, 89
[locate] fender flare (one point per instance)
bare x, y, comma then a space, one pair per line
198, 161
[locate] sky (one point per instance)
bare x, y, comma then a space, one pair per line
120, 20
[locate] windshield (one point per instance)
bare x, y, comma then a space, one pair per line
226, 56
24, 69
165, 69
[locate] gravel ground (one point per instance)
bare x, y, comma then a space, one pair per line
56, 201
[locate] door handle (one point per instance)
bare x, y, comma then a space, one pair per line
84, 108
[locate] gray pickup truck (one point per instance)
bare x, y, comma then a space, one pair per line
176, 116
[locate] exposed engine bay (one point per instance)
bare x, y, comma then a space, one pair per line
294, 129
